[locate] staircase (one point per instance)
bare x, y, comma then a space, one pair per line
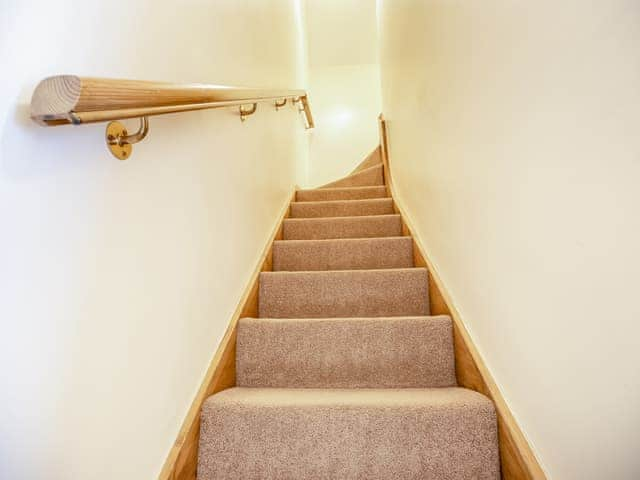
345, 375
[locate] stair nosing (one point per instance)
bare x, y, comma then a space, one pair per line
347, 239
348, 216
358, 187
355, 200
341, 319
298, 272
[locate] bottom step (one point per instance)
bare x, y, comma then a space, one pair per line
272, 433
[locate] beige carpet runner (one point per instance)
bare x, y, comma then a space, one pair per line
345, 375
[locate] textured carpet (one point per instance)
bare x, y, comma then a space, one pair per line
345, 293
347, 193
371, 160
390, 434
342, 227
343, 254
342, 208
344, 375
345, 352
366, 177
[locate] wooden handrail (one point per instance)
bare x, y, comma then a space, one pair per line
66, 99
69, 99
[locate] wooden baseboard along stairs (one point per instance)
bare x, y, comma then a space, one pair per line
347, 359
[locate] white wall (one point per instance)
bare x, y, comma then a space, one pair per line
515, 148
344, 85
118, 279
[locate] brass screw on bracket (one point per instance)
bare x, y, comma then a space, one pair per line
120, 142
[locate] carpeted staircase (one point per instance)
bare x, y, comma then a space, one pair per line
344, 375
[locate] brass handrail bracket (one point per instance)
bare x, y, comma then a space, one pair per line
245, 113
120, 142
304, 108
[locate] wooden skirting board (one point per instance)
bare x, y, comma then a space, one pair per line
182, 460
516, 456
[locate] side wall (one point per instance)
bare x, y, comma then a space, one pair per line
513, 138
344, 85
118, 279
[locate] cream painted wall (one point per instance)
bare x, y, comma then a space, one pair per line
118, 279
344, 85
346, 104
515, 148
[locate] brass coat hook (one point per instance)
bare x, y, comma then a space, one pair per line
246, 113
120, 142
281, 104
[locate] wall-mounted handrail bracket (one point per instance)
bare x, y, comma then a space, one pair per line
120, 142
303, 107
245, 113
281, 104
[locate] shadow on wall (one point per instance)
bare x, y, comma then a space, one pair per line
30, 150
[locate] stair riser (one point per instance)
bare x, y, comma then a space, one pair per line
345, 353
327, 194
369, 293
342, 208
343, 254
342, 227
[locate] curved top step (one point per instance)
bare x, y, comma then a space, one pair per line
367, 177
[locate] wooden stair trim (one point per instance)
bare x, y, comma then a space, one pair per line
517, 460
66, 99
182, 460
